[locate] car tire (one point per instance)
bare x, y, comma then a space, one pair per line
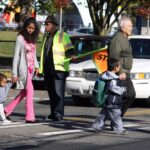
147, 102
78, 101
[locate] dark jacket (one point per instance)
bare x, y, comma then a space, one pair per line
120, 48
114, 89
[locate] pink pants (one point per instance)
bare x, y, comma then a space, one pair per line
28, 93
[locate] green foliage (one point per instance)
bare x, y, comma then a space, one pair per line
7, 48
46, 7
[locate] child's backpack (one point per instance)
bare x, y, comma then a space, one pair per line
99, 95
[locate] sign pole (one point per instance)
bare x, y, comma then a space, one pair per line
60, 19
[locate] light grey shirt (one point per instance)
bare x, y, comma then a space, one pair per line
20, 63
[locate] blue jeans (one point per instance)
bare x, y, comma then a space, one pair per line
115, 117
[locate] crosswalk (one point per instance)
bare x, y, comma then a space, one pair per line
75, 129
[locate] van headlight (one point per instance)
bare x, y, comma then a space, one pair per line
140, 76
78, 74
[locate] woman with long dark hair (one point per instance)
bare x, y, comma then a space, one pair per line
24, 66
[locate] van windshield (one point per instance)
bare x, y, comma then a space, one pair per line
140, 48
83, 46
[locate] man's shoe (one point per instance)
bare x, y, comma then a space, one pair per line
49, 117
58, 117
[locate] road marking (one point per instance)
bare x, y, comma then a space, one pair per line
21, 124
137, 112
35, 98
59, 132
132, 125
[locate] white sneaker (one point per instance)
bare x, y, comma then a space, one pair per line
5, 122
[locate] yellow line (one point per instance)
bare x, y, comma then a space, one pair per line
137, 112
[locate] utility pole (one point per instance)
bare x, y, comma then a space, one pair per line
148, 18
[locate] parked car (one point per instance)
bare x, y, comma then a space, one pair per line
87, 30
140, 73
82, 75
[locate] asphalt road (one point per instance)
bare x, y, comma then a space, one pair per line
73, 132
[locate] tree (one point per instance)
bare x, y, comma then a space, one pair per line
145, 11
2, 3
26, 8
104, 13
46, 6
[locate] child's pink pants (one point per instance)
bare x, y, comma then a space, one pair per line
28, 93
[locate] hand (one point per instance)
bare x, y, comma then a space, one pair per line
122, 76
73, 57
36, 71
14, 79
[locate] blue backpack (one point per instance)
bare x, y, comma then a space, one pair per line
99, 92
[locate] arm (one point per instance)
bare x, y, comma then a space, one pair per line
16, 58
115, 52
116, 89
115, 49
68, 46
36, 65
8, 86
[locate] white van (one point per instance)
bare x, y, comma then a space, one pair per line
82, 75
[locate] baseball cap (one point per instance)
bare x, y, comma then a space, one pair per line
51, 19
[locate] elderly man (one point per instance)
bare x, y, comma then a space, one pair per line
120, 48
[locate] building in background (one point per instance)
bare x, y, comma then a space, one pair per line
76, 17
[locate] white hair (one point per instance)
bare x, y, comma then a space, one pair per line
122, 22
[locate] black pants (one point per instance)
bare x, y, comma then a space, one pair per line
129, 96
55, 83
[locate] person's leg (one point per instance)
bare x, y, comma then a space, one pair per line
11, 106
100, 120
30, 116
56, 87
2, 114
50, 87
129, 96
115, 116
60, 90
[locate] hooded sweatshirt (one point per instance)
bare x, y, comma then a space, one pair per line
114, 89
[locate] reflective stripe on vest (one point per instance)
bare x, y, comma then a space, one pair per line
58, 48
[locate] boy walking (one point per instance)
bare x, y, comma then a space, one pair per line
113, 104
4, 88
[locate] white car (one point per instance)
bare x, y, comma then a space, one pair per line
86, 30
140, 73
82, 75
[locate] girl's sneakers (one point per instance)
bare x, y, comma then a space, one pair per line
5, 122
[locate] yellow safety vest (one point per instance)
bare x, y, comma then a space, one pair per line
61, 43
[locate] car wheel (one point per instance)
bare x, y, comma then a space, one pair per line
147, 102
81, 101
